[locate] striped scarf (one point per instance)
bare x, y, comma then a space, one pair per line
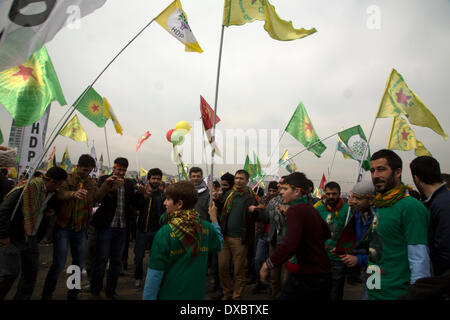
229, 201
389, 198
187, 227
80, 214
32, 198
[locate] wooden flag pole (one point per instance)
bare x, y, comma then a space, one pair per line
215, 115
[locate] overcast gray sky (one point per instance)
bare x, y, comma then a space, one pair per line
339, 73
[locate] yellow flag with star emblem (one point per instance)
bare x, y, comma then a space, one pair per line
398, 99
74, 130
402, 137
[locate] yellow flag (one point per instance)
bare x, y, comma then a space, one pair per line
108, 113
74, 130
239, 12
399, 99
402, 137
174, 20
142, 172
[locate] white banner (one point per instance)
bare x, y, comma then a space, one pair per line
32, 145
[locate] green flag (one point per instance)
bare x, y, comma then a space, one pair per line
1, 137
257, 165
301, 128
355, 143
250, 168
92, 107
27, 90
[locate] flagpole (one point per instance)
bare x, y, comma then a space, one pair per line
332, 163
73, 110
271, 155
390, 134
107, 147
215, 114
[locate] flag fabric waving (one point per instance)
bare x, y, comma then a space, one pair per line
174, 20
402, 137
208, 121
27, 90
355, 143
398, 99
250, 168
144, 137
239, 12
91, 106
24, 31
51, 159
142, 172
1, 137
323, 182
108, 113
74, 130
66, 164
301, 128
287, 163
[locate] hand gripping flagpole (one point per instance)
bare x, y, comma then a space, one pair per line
52, 140
215, 114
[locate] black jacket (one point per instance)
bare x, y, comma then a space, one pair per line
105, 213
439, 231
150, 221
248, 220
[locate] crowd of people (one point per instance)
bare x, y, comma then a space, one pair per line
390, 239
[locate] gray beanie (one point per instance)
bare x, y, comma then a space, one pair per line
364, 188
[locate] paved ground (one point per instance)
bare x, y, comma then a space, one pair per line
126, 289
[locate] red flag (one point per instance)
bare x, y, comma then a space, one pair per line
142, 139
323, 182
207, 114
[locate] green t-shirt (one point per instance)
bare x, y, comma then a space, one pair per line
336, 223
184, 277
234, 223
393, 229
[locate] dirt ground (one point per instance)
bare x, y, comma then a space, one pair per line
125, 287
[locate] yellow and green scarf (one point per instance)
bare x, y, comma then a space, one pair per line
187, 227
389, 198
229, 201
80, 214
32, 198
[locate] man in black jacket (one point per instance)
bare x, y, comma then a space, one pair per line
21, 233
150, 207
116, 196
426, 174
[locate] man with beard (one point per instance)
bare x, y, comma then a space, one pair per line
151, 207
202, 205
398, 238
333, 211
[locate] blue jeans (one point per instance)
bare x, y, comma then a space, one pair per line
19, 258
142, 240
62, 238
306, 287
338, 273
110, 245
262, 253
